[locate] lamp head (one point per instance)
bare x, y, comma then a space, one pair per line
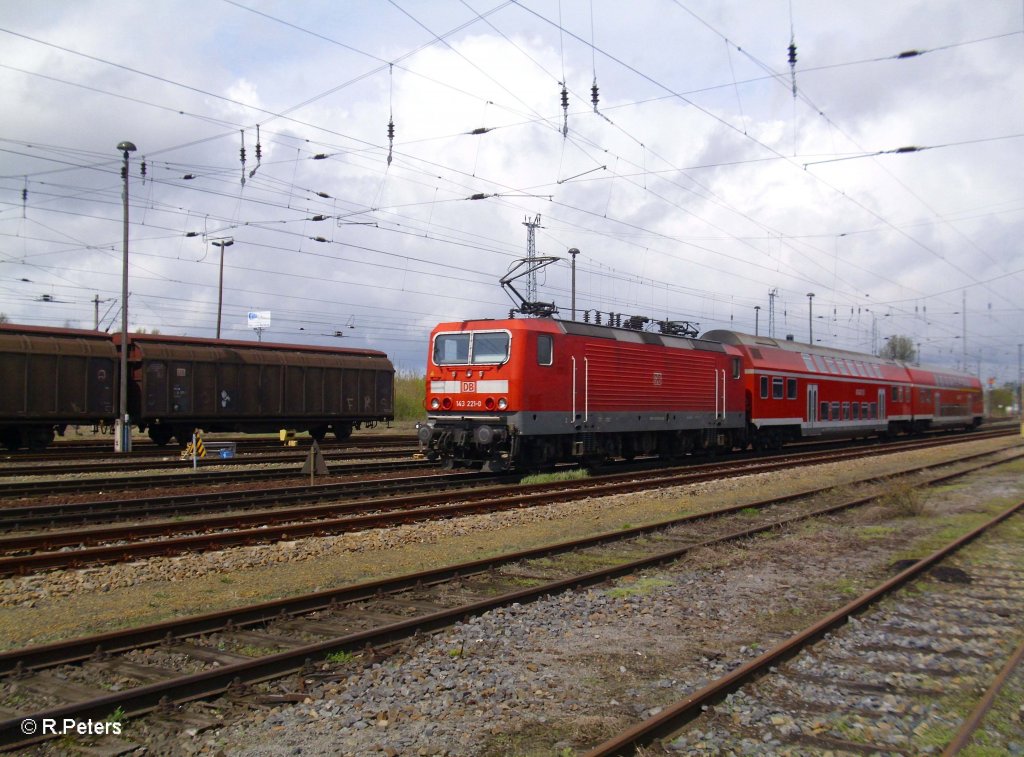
126, 146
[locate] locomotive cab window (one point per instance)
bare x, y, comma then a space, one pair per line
490, 347
471, 348
451, 349
545, 349
736, 371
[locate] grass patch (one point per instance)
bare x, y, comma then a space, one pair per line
410, 391
638, 587
550, 478
876, 532
340, 658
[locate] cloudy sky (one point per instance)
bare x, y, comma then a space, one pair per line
701, 187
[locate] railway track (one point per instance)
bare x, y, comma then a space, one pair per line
194, 479
222, 651
174, 461
82, 449
30, 553
870, 677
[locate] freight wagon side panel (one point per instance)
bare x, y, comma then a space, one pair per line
56, 379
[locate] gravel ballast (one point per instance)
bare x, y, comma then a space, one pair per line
545, 678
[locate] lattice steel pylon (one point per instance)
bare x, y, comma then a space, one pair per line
531, 256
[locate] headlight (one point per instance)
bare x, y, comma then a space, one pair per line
435, 403
502, 403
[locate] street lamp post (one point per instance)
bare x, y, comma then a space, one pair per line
810, 317
222, 243
757, 319
123, 426
573, 252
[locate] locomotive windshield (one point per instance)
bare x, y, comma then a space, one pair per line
471, 348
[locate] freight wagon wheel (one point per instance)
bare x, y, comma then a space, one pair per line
161, 435
39, 438
342, 431
11, 439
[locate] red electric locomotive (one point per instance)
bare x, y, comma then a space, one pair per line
797, 391
534, 392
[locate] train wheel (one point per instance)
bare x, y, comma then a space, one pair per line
39, 438
342, 431
160, 435
11, 439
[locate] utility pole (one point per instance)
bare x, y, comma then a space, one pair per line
810, 317
123, 427
963, 320
771, 312
757, 318
573, 252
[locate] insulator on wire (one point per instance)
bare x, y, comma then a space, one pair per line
142, 169
565, 111
259, 153
241, 156
593, 95
792, 64
391, 138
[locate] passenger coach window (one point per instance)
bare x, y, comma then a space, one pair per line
791, 389
823, 411
544, 349
777, 388
764, 387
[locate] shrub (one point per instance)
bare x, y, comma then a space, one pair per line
905, 499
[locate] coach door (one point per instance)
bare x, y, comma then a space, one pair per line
881, 405
812, 405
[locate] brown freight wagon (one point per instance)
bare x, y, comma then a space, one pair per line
53, 378
181, 383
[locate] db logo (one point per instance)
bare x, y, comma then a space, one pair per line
469, 387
